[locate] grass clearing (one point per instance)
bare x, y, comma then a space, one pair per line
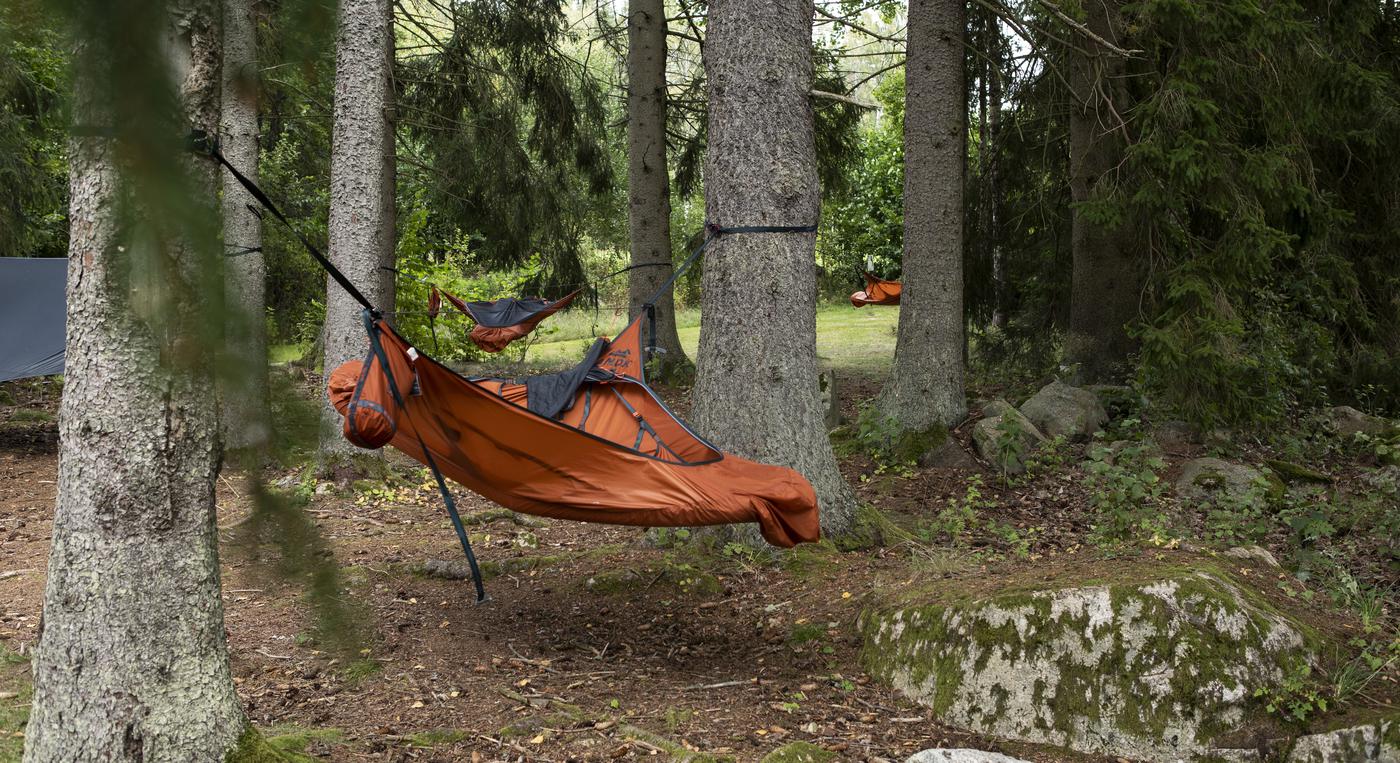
16, 690
856, 340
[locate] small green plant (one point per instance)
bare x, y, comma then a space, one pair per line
1296, 698
894, 449
1008, 444
1126, 493
1384, 448
1234, 517
960, 515
1016, 541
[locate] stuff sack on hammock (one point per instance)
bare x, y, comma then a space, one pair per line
877, 291
503, 321
360, 391
612, 453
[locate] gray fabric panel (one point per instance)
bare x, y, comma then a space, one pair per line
552, 394
505, 312
32, 316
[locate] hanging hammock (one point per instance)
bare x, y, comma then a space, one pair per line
877, 291
592, 444
505, 320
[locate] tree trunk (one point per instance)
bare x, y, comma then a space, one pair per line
244, 398
992, 170
756, 388
132, 663
649, 182
925, 388
362, 195
1105, 277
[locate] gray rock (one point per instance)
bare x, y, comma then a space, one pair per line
1059, 409
1252, 553
960, 755
1176, 436
1348, 421
950, 455
1385, 480
1205, 478
1158, 669
1371, 743
996, 408
986, 435
831, 401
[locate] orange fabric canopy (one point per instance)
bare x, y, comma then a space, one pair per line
877, 291
616, 455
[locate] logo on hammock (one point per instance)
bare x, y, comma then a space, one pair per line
617, 360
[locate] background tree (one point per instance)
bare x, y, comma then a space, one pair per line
362, 189
245, 414
1107, 281
756, 380
649, 180
925, 388
134, 543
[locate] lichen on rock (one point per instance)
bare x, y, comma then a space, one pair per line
1144, 670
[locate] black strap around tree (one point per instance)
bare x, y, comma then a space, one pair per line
201, 141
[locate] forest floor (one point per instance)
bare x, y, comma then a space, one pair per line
596, 644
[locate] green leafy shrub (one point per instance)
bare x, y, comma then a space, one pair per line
1126, 492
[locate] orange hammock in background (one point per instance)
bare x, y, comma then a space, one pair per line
877, 291
500, 322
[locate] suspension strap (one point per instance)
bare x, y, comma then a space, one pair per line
201, 141
712, 232
447, 499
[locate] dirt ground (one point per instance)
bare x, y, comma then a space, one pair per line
596, 644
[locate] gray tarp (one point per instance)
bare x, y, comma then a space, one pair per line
32, 316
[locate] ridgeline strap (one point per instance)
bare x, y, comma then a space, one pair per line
202, 142
712, 232
447, 499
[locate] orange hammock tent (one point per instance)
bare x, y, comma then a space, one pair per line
593, 443
877, 291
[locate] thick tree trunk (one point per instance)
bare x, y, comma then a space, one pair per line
649, 181
132, 662
244, 386
925, 388
756, 388
1106, 278
362, 195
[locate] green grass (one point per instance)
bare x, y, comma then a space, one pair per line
285, 353
859, 341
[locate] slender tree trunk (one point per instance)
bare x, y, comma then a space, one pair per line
992, 170
362, 183
649, 181
132, 662
925, 388
245, 412
1105, 279
756, 388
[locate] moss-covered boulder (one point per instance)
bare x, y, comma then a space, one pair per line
1377, 742
1156, 669
1061, 410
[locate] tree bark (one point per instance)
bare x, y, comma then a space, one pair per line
244, 385
756, 388
362, 191
649, 181
132, 663
1105, 277
991, 170
925, 388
